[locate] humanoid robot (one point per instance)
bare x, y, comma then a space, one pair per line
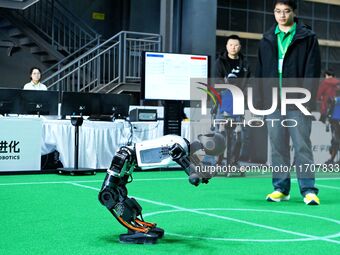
162, 152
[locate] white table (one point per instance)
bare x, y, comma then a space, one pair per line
98, 140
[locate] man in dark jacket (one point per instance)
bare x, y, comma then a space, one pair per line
232, 68
289, 50
231, 65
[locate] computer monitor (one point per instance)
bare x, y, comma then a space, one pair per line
9, 101
115, 104
168, 76
77, 103
38, 102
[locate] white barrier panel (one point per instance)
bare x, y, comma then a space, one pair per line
321, 141
20, 144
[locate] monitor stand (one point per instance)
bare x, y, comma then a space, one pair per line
173, 115
76, 122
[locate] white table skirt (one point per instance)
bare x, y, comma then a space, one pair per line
98, 140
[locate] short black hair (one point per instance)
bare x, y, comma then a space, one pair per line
233, 37
31, 70
290, 3
34, 67
329, 72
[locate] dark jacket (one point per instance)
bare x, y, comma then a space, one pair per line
302, 60
223, 68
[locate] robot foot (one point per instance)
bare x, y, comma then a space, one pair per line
152, 228
139, 238
158, 231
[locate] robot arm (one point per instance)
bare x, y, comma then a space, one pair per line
188, 162
160, 152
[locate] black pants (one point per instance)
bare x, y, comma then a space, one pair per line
233, 140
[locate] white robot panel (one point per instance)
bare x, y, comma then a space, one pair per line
155, 153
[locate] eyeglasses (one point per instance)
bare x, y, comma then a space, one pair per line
285, 12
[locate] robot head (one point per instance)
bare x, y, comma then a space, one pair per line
213, 144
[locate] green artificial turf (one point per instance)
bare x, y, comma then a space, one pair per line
53, 214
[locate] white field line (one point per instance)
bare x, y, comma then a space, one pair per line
223, 217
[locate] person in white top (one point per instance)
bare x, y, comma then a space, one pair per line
35, 75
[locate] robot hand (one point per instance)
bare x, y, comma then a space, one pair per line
188, 163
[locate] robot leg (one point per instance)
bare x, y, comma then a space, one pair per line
114, 196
